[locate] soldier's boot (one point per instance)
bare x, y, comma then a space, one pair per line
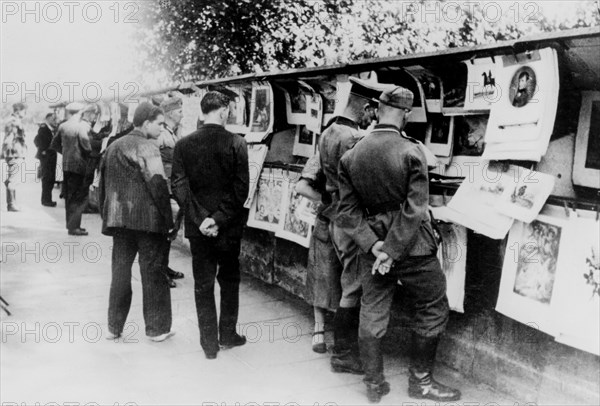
345, 357
11, 199
421, 384
372, 359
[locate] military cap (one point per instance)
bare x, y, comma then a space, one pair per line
366, 89
172, 103
398, 97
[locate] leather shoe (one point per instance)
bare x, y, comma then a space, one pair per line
346, 362
174, 274
78, 231
49, 204
234, 341
376, 391
425, 387
210, 355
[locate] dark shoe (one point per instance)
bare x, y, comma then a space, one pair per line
174, 274
171, 283
376, 391
347, 362
318, 344
210, 355
49, 204
234, 341
12, 207
78, 231
426, 387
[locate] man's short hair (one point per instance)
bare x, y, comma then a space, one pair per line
146, 111
49, 116
19, 107
213, 101
526, 74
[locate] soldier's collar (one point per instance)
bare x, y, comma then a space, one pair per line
341, 120
387, 127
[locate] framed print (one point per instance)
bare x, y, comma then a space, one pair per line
304, 142
237, 122
576, 301
535, 253
296, 102
293, 229
482, 89
265, 211
261, 112
586, 166
432, 87
315, 113
440, 135
327, 88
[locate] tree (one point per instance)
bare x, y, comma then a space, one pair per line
201, 39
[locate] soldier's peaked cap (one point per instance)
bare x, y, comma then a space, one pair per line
367, 89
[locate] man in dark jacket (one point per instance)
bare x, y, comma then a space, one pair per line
384, 201
210, 181
135, 209
47, 157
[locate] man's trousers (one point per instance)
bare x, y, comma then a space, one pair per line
76, 195
48, 178
151, 248
209, 259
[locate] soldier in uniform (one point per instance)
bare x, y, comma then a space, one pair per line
342, 134
384, 200
13, 151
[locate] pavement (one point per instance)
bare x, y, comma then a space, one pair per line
54, 348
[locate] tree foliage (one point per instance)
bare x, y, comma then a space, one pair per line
200, 39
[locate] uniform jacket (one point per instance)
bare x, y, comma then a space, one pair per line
387, 169
73, 142
133, 191
210, 179
13, 145
42, 141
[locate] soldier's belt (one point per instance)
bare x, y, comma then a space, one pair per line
382, 208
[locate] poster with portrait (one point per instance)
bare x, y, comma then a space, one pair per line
522, 119
261, 112
304, 142
256, 159
452, 254
586, 166
482, 89
293, 229
237, 121
535, 254
432, 87
440, 135
266, 208
576, 301
296, 101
